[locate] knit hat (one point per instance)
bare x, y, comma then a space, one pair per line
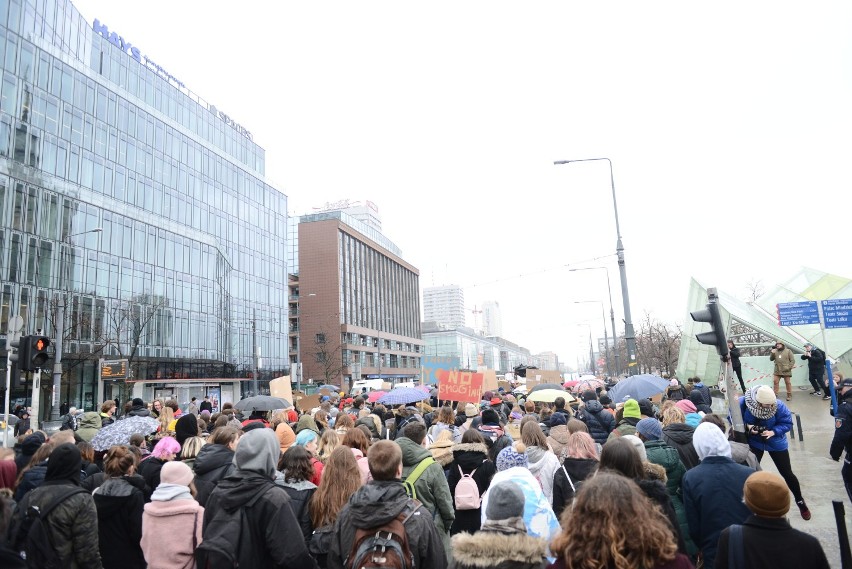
766, 494
765, 395
650, 428
631, 409
516, 415
487, 395
137, 402
638, 445
176, 472
490, 417
511, 456
589, 395
505, 500
496, 401
286, 436
686, 406
674, 383
470, 410
646, 408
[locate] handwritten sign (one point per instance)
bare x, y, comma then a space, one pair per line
462, 386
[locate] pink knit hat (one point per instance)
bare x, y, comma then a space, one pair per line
686, 406
176, 472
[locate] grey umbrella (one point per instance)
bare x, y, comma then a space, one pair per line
261, 403
119, 433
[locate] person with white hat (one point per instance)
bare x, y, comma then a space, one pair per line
768, 420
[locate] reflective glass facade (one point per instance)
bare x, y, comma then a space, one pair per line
193, 242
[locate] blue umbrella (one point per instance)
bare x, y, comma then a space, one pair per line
402, 395
638, 387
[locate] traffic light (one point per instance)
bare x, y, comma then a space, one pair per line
13, 357
32, 354
716, 336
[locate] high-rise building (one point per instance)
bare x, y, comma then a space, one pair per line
492, 318
143, 206
444, 305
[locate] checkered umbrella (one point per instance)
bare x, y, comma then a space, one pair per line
402, 395
119, 433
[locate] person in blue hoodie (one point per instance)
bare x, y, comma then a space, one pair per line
767, 422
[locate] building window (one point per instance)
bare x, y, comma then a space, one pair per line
320, 338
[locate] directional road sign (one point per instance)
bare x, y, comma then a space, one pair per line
798, 313
837, 313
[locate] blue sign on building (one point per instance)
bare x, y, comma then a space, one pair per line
837, 313
432, 363
798, 313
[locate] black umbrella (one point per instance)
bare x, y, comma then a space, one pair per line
261, 403
541, 386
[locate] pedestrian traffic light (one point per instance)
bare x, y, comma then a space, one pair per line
32, 354
716, 336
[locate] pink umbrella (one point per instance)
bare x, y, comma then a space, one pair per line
373, 396
570, 383
587, 385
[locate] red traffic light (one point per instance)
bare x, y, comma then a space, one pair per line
42, 344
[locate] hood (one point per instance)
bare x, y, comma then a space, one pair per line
694, 419
112, 496
560, 434
376, 503
300, 485
258, 452
211, 457
411, 453
306, 422
237, 489
681, 433
709, 440
139, 411
286, 436
469, 455
186, 427
32, 443
655, 471
91, 420
166, 492
171, 508
490, 549
534, 455
594, 406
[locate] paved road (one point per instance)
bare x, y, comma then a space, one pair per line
818, 475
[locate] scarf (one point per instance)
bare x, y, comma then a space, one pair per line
508, 526
755, 408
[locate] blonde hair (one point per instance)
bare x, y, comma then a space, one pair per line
191, 447
672, 415
165, 419
327, 443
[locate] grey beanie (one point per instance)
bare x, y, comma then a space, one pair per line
505, 500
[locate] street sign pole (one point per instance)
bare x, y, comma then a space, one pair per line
13, 334
100, 394
36, 400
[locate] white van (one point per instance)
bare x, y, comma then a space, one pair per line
370, 384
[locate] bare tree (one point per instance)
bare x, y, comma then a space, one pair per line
657, 345
754, 290
327, 352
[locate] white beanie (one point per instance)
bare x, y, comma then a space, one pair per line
765, 395
709, 440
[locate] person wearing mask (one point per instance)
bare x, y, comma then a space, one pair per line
766, 540
596, 523
713, 491
470, 458
73, 518
296, 471
784, 362
734, 354
165, 450
120, 503
767, 421
581, 462
215, 461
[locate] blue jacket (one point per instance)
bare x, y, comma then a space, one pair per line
780, 423
713, 500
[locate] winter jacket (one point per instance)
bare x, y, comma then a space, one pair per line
713, 500
171, 529
741, 454
32, 479
436, 430
106, 419
442, 451
89, 426
498, 550
374, 505
273, 540
655, 490
300, 494
543, 464
557, 439
371, 422
704, 391
578, 469
318, 467
73, 524
627, 426
432, 488
363, 466
213, 463
735, 358
120, 505
599, 422
780, 423
769, 543
676, 393
816, 363
469, 457
679, 437
139, 411
149, 469
538, 513
784, 362
660, 453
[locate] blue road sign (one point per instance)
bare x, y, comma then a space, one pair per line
837, 313
798, 313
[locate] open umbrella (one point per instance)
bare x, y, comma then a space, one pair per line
374, 396
550, 395
261, 403
402, 395
541, 386
638, 387
119, 433
330, 387
587, 385
570, 383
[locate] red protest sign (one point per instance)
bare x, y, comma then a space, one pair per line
462, 386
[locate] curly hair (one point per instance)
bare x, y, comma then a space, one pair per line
672, 415
340, 479
595, 535
296, 464
344, 421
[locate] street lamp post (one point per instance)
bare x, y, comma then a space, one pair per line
60, 328
611, 314
606, 336
629, 337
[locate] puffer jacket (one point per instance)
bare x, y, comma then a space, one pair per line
784, 361
626, 426
432, 488
498, 550
89, 426
557, 439
599, 422
300, 497
676, 393
31, 480
213, 463
469, 457
663, 455
120, 504
679, 437
780, 423
543, 464
564, 490
73, 524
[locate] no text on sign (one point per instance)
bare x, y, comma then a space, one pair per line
837, 313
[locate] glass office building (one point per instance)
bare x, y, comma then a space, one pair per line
189, 267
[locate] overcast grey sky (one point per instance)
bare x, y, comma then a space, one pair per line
728, 125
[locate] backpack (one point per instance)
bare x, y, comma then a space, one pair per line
384, 546
467, 492
220, 544
36, 534
418, 471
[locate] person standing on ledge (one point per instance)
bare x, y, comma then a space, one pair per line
783, 358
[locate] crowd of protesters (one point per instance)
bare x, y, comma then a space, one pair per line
504, 482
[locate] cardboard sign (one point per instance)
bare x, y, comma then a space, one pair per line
281, 387
461, 386
489, 379
309, 402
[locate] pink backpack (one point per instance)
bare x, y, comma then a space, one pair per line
467, 492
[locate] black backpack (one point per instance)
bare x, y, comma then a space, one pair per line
35, 537
220, 543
